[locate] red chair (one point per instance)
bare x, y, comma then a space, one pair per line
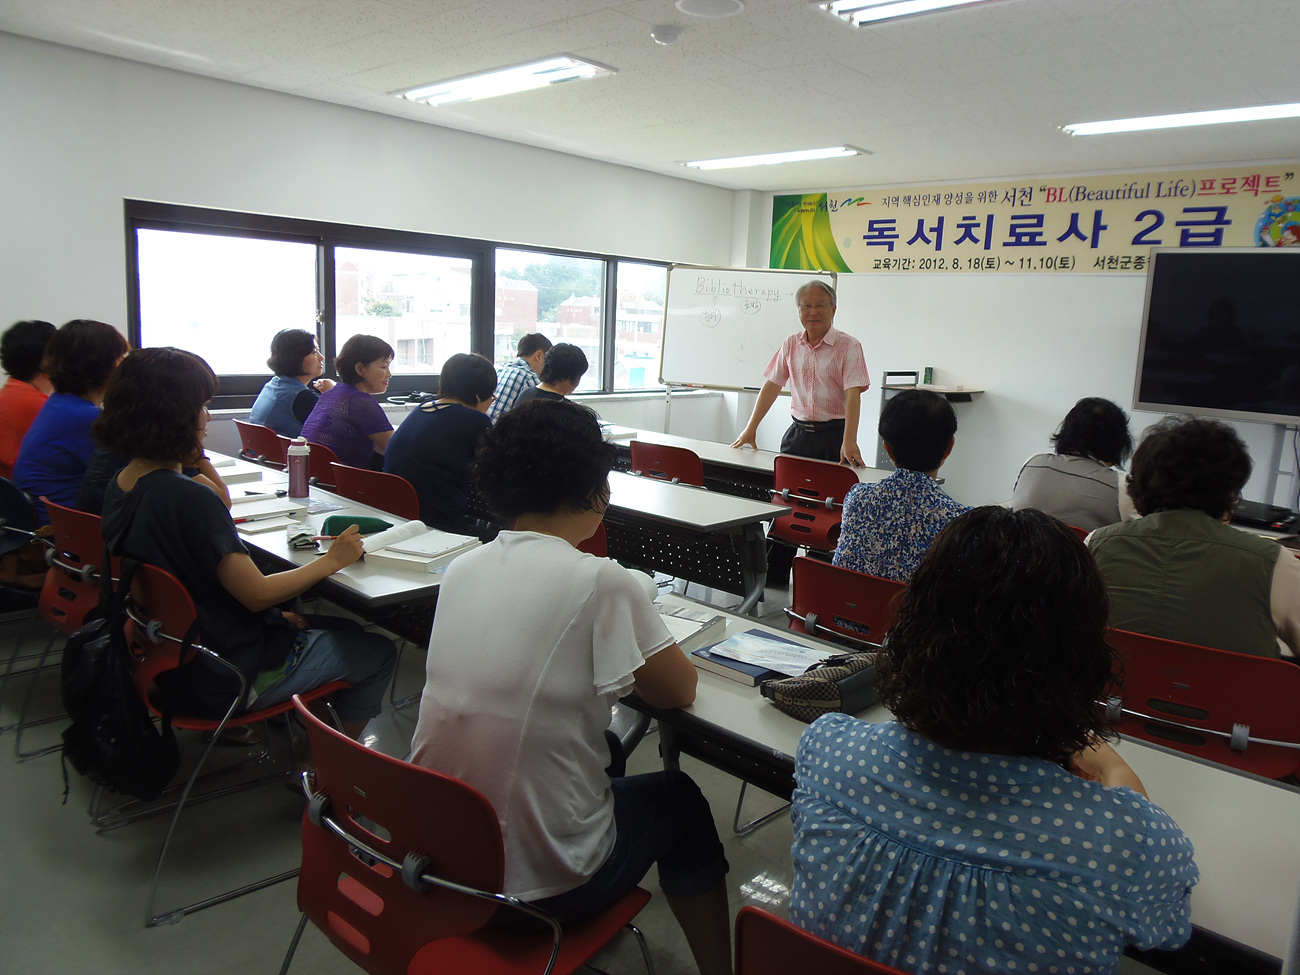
814, 490
676, 464
318, 465
401, 868
771, 945
260, 444
824, 597
387, 492
162, 630
1082, 533
1231, 708
70, 592
597, 544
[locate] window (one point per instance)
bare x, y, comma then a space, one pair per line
560, 296
223, 297
221, 283
638, 324
417, 303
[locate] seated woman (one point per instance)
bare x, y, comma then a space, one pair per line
562, 372
55, 452
516, 703
1079, 483
346, 418
22, 353
155, 413
1180, 571
989, 828
433, 447
288, 397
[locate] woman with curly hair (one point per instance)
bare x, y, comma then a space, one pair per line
57, 448
517, 703
989, 828
155, 413
1180, 571
1079, 482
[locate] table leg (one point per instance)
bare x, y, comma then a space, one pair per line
753, 567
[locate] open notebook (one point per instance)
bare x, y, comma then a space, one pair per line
415, 547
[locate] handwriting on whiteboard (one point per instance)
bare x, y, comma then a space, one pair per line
736, 288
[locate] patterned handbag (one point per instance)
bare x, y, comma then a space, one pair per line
845, 682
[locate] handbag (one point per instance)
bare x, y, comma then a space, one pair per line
845, 683
112, 740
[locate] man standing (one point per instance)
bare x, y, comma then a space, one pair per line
827, 373
520, 373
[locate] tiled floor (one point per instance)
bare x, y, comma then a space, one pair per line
72, 900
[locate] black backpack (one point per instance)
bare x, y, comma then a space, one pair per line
112, 740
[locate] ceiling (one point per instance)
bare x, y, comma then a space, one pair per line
953, 95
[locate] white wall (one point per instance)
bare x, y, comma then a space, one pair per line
82, 132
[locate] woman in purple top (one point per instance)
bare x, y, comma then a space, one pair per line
347, 418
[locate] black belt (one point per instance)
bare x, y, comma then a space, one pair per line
816, 426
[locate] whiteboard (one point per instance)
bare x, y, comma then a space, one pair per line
723, 324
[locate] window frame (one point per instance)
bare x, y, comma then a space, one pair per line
239, 390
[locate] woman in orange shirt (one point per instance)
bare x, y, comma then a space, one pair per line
22, 349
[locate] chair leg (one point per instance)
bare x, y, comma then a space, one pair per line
753, 824
406, 702
23, 723
14, 656
293, 945
645, 948
153, 919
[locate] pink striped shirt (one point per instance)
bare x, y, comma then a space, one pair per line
818, 374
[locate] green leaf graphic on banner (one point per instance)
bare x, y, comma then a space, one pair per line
801, 234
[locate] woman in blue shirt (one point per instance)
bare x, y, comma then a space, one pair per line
288, 397
54, 454
990, 828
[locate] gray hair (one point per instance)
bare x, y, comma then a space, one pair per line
815, 283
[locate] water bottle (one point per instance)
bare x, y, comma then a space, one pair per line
299, 456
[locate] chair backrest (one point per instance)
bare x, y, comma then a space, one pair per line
370, 912
814, 490
597, 544
318, 464
387, 492
1192, 699
1081, 533
666, 463
160, 615
260, 443
771, 945
71, 588
822, 594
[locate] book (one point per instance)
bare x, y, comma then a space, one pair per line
693, 628
415, 547
769, 652
748, 674
259, 509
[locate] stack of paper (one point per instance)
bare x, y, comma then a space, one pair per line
692, 627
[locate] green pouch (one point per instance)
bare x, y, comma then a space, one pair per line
338, 524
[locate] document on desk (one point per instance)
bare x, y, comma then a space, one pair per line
763, 649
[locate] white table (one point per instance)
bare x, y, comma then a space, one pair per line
705, 536
1244, 828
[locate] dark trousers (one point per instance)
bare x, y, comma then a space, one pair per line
820, 441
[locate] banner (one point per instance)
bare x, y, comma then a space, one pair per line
1095, 224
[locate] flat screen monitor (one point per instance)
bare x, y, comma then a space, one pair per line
1221, 334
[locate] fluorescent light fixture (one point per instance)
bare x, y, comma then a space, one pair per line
772, 158
859, 12
1217, 116
506, 81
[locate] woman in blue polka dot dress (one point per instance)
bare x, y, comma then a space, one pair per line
988, 829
